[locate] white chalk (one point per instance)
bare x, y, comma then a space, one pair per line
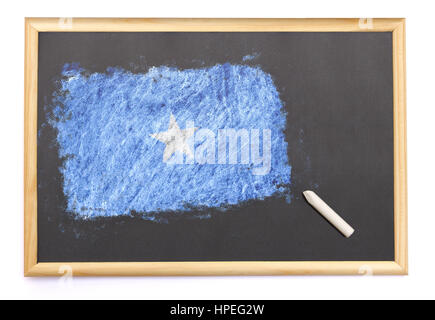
329, 214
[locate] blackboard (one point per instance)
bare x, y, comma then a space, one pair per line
327, 99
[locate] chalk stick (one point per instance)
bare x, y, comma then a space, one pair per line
329, 214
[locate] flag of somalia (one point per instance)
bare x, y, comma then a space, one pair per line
169, 141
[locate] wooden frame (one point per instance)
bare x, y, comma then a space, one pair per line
35, 25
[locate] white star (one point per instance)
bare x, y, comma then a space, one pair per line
175, 139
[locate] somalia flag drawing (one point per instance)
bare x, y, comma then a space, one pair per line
169, 141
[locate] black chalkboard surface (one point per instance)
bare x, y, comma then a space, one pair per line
134, 154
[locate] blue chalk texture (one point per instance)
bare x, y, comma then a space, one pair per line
113, 166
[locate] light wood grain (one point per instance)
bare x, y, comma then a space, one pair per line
210, 25
218, 268
30, 134
31, 266
400, 167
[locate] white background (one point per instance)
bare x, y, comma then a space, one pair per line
420, 34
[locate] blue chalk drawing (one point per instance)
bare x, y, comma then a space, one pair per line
114, 166
250, 57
